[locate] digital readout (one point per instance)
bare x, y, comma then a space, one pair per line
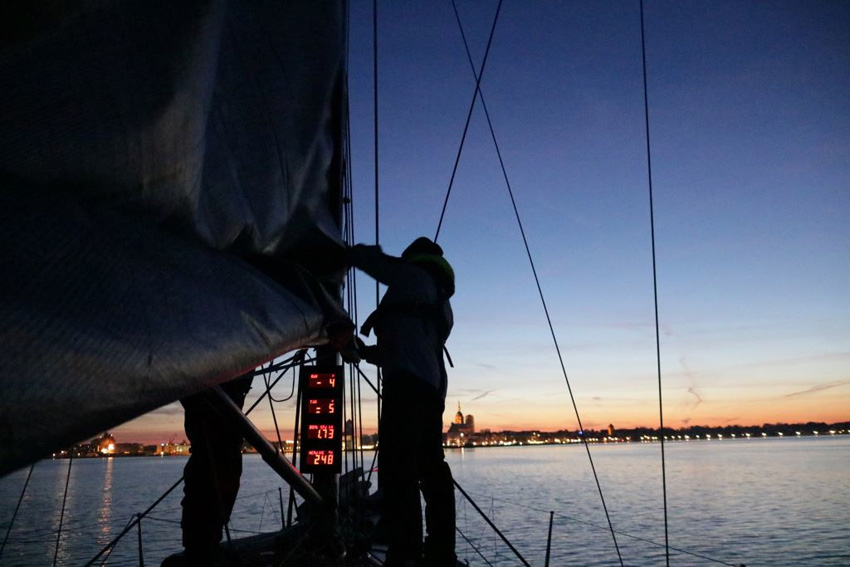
322, 380
321, 407
320, 457
321, 431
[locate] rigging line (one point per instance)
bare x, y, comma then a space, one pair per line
282, 365
478, 78
375, 116
378, 446
18, 507
111, 549
266, 372
349, 412
351, 280
360, 372
267, 377
136, 519
64, 499
360, 424
492, 525
540, 290
297, 359
294, 360
472, 545
274, 414
654, 278
375, 137
291, 389
295, 430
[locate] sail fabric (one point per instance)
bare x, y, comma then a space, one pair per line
170, 197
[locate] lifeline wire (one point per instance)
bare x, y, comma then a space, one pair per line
492, 525
654, 280
137, 518
540, 292
468, 117
111, 549
18, 507
620, 532
298, 358
473, 546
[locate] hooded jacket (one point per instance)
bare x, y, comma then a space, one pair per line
413, 319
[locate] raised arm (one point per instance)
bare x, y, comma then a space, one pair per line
386, 269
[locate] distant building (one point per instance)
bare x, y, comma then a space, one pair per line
106, 444
611, 430
172, 448
129, 449
461, 429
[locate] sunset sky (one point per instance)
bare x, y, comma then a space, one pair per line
749, 109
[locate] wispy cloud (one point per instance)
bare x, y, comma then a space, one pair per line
693, 391
479, 396
819, 388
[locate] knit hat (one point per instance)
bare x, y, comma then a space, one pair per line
427, 254
422, 245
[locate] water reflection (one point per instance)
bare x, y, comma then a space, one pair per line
65, 496
105, 516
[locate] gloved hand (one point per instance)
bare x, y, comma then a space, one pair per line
369, 353
350, 352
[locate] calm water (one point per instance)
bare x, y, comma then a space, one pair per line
777, 502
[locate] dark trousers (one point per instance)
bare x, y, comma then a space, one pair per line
211, 476
411, 459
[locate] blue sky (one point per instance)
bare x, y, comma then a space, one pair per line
750, 128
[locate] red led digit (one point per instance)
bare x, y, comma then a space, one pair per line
322, 380
321, 431
320, 407
323, 457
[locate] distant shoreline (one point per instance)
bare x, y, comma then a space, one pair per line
537, 438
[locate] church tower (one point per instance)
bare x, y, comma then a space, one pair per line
458, 415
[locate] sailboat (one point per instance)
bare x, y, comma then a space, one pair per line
174, 180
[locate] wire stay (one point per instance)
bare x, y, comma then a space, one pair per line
654, 280
540, 290
478, 78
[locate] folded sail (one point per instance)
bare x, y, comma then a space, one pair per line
169, 204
